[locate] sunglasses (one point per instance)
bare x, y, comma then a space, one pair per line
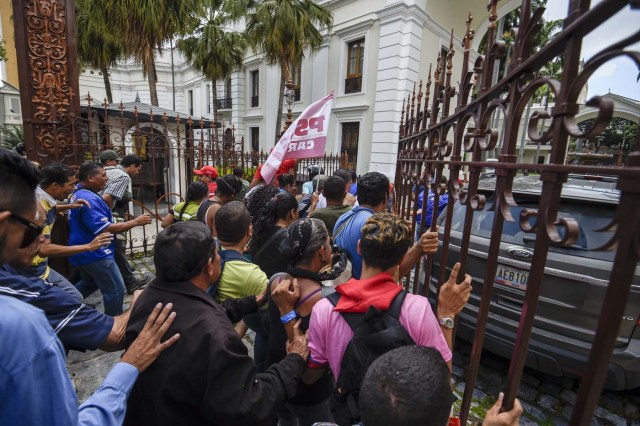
33, 230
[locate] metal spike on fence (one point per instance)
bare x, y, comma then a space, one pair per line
425, 113
407, 120
449, 91
418, 109
466, 84
436, 89
412, 118
402, 120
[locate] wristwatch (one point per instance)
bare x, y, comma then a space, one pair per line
447, 323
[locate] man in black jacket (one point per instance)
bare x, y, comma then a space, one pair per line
208, 379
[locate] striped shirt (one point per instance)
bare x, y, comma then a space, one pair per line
118, 182
39, 265
188, 213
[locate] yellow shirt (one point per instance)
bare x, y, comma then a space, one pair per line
39, 265
241, 279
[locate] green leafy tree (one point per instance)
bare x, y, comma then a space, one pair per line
619, 133
553, 68
11, 136
3, 50
212, 49
146, 26
281, 30
98, 45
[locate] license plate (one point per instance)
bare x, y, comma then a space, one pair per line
512, 277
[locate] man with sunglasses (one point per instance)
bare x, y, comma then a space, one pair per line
78, 326
34, 383
98, 269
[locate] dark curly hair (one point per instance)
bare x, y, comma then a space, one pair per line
259, 199
373, 188
264, 223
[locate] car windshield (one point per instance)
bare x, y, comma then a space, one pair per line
590, 217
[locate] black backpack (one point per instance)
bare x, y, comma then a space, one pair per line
375, 333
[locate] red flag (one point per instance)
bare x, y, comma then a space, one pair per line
305, 138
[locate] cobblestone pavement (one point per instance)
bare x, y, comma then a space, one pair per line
546, 400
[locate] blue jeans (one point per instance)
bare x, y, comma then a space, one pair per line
103, 274
58, 280
259, 322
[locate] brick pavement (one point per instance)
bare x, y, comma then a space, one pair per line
547, 400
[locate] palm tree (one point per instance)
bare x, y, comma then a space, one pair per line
147, 25
213, 50
98, 45
11, 136
281, 30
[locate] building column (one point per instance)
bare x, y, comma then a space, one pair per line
401, 27
45, 36
238, 105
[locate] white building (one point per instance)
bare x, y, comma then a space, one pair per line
375, 53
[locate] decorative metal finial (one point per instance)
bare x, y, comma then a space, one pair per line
469, 34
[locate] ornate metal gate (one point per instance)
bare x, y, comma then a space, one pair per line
434, 141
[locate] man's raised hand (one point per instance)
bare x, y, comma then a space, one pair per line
453, 296
285, 295
428, 242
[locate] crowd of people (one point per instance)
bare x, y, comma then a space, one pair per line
315, 276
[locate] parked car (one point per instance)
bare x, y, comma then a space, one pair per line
573, 287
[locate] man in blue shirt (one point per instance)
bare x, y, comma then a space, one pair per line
443, 200
373, 193
34, 382
98, 269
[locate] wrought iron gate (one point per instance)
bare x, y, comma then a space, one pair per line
434, 140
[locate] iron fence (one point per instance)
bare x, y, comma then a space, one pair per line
171, 148
436, 141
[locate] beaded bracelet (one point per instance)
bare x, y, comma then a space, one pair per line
288, 317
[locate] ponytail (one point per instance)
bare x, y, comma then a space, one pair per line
196, 191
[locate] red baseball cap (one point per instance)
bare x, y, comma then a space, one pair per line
207, 170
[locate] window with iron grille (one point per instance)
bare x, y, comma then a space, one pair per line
350, 136
255, 139
255, 89
225, 102
355, 63
190, 102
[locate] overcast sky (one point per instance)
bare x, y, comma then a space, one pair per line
618, 75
